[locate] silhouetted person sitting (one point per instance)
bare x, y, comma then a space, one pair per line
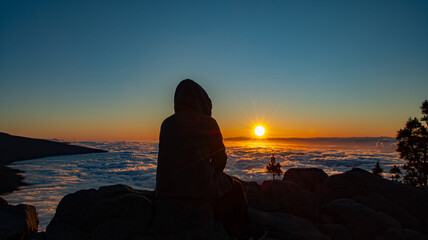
192, 158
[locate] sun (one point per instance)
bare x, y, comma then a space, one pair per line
259, 131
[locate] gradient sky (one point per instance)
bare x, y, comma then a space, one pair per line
107, 70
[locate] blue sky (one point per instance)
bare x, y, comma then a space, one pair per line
108, 69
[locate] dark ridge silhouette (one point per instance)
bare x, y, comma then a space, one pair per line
15, 148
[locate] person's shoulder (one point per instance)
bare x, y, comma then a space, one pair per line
168, 120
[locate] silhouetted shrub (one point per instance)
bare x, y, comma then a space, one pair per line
274, 168
395, 171
377, 170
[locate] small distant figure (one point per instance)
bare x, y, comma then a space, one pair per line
273, 167
395, 171
377, 170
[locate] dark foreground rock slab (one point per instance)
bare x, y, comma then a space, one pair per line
119, 212
358, 182
282, 196
106, 213
402, 234
307, 178
286, 226
18, 222
364, 223
354, 205
186, 219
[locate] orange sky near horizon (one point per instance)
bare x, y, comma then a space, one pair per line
84, 70
135, 129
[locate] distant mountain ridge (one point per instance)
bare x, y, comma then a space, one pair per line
16, 148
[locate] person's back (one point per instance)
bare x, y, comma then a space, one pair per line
188, 141
191, 152
192, 158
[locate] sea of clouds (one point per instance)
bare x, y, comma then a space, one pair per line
134, 164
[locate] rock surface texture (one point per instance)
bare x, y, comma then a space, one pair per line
307, 204
353, 205
17, 222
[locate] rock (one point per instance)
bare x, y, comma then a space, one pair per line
130, 206
363, 222
358, 182
186, 218
111, 211
59, 230
307, 178
119, 229
336, 231
288, 197
18, 222
402, 234
75, 209
252, 191
3, 202
39, 236
114, 190
286, 226
379, 203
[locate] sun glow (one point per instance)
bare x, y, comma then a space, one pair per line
259, 131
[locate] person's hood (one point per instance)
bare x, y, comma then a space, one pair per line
191, 97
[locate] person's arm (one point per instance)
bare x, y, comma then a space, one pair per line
218, 152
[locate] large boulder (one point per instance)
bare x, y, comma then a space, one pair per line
119, 212
358, 182
363, 222
287, 197
379, 203
286, 226
186, 218
336, 231
252, 192
402, 234
18, 222
307, 178
102, 214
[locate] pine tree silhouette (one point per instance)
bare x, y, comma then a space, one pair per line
273, 167
395, 171
377, 170
413, 147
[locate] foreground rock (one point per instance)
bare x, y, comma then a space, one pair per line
17, 222
120, 212
113, 212
406, 203
354, 205
286, 226
307, 178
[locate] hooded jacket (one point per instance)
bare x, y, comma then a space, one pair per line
191, 152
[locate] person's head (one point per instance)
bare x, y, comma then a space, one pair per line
191, 97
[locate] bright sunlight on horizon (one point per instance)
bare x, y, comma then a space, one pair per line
259, 131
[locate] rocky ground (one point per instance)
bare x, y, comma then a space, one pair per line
306, 204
